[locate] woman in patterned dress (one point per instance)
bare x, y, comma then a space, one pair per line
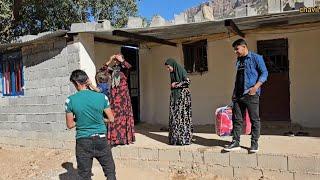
121, 131
180, 117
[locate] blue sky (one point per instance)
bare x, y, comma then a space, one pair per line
165, 8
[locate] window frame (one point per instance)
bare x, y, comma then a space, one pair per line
13, 61
196, 56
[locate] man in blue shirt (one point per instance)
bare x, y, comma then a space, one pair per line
251, 74
84, 110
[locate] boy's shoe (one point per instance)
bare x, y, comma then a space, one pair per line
234, 146
254, 147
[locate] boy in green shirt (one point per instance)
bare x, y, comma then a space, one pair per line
84, 111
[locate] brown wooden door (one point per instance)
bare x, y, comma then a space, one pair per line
275, 96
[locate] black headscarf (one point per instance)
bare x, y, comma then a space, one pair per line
179, 74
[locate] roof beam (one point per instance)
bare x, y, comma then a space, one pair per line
231, 26
142, 37
108, 41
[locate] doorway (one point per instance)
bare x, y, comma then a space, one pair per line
131, 54
275, 96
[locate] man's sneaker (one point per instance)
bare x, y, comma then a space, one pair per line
254, 147
234, 146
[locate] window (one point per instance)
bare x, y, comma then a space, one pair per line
195, 56
11, 73
275, 54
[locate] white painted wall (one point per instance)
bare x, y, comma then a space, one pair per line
214, 88
103, 51
85, 41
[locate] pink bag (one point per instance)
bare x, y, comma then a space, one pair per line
223, 123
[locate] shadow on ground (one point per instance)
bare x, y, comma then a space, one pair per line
71, 173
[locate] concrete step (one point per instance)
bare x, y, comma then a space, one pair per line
208, 162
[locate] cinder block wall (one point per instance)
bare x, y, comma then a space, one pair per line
37, 119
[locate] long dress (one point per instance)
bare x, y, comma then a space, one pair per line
121, 131
180, 116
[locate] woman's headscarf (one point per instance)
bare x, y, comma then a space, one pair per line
179, 74
115, 76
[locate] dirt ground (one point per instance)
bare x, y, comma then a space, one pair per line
27, 163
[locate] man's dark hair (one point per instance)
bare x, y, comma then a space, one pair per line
239, 42
79, 76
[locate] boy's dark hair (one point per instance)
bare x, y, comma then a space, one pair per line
239, 42
79, 76
102, 77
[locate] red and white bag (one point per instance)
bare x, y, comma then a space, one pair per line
223, 123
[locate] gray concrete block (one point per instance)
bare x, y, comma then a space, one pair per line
274, 6
307, 176
44, 91
65, 89
3, 117
21, 118
116, 153
158, 165
199, 168
135, 22
274, 162
59, 127
149, 154
58, 72
66, 135
249, 173
54, 62
56, 99
216, 158
22, 100
34, 109
304, 164
225, 171
11, 117
40, 127
169, 155
8, 141
9, 133
180, 167
134, 163
4, 101
186, 156
163, 166
49, 80
278, 175
83, 27
106, 25
129, 153
46, 117
243, 160
197, 157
